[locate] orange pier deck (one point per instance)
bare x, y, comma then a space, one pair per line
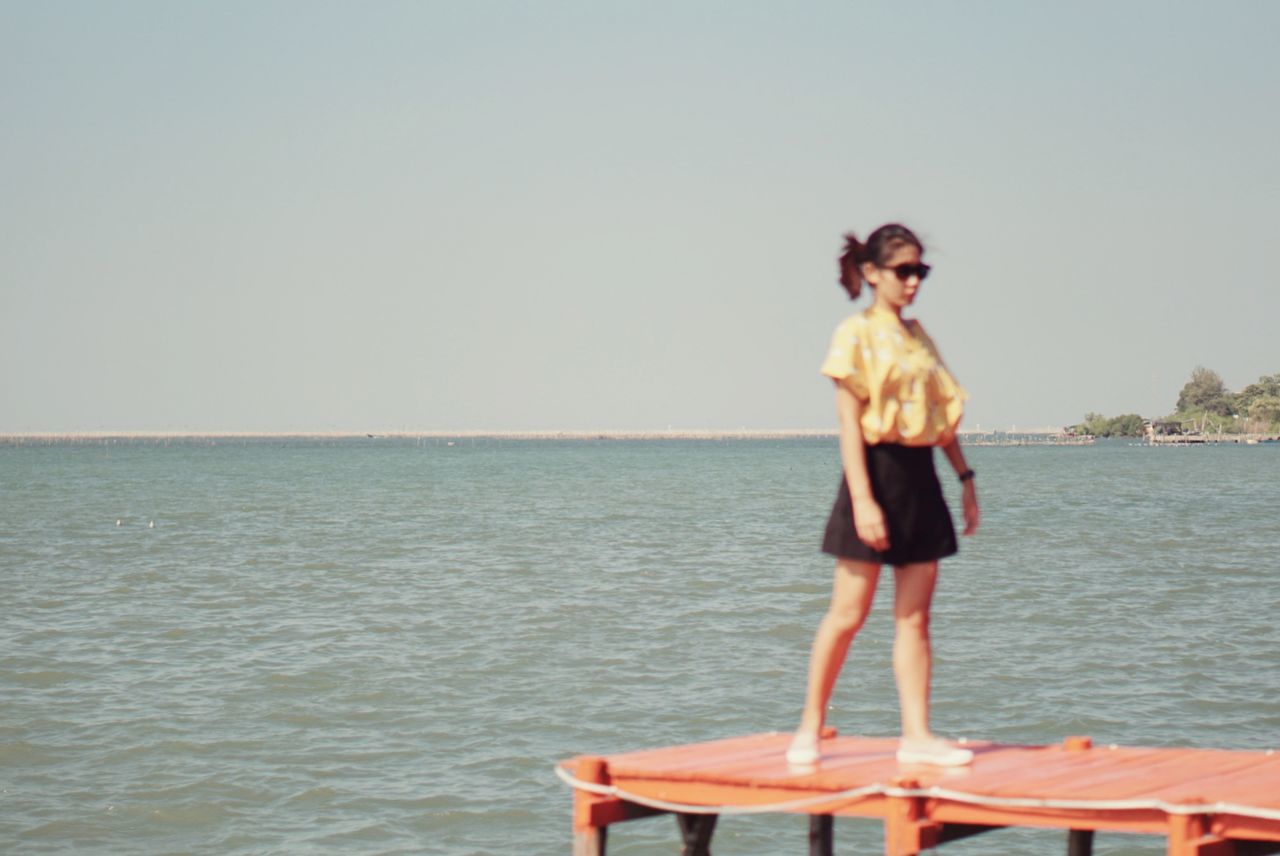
1206, 802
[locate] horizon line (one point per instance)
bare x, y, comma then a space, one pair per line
529, 434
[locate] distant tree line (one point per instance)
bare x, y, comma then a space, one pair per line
1205, 402
1127, 425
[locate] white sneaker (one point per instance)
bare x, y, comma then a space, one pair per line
938, 754
803, 751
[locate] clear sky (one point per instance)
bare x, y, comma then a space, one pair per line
278, 216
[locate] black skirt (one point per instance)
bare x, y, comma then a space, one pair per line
906, 486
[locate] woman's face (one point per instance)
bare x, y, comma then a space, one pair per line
890, 289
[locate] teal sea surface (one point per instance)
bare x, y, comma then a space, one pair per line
384, 645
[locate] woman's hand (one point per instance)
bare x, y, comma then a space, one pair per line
969, 493
972, 514
869, 523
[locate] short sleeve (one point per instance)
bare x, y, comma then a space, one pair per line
845, 358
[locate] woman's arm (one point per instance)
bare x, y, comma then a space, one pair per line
969, 491
868, 518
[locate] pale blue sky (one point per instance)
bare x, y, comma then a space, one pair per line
591, 215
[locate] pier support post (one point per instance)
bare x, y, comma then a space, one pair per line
695, 833
906, 832
1079, 842
1189, 835
821, 835
593, 813
589, 838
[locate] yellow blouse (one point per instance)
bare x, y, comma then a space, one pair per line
893, 367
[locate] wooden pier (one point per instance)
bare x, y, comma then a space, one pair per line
1205, 802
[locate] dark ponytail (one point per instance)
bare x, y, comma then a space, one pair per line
880, 245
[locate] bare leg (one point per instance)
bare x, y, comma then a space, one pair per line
851, 595
912, 656
913, 666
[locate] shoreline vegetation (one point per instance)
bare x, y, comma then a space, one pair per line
1205, 407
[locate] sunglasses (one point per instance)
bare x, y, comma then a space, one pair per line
906, 271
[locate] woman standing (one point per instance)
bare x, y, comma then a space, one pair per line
895, 401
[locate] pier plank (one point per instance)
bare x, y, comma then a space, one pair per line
1159, 771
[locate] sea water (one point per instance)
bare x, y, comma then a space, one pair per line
383, 646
